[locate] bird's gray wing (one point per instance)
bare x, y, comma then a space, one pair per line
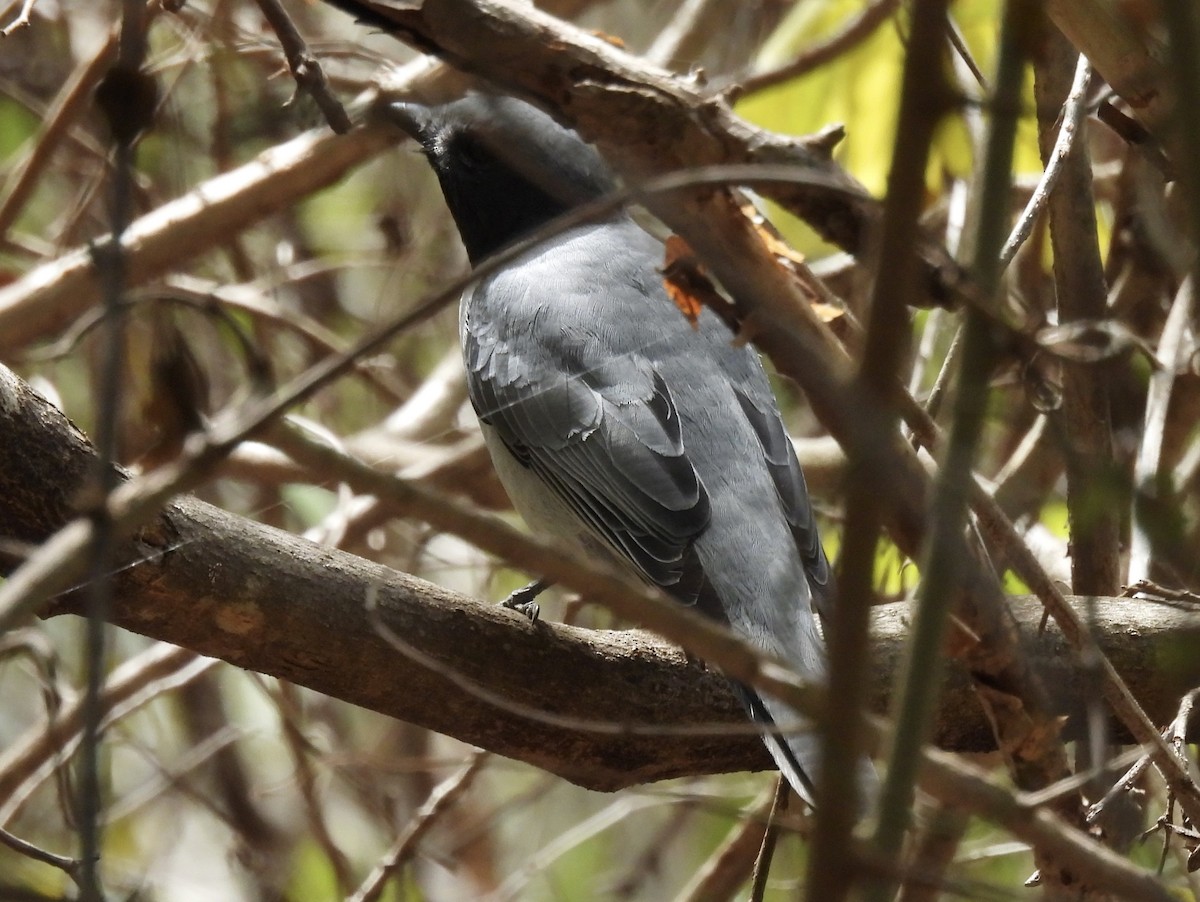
758, 406
596, 423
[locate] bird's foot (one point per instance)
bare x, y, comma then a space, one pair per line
523, 602
693, 660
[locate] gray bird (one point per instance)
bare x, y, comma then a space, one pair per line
612, 422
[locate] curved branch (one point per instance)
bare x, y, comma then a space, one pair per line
268, 601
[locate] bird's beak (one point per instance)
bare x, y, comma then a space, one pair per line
412, 118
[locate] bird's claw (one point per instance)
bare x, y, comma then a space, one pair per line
522, 600
530, 609
693, 660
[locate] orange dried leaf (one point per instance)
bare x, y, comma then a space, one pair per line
780, 248
827, 313
608, 38
684, 279
752, 213
678, 251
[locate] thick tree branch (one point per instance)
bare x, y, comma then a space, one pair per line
268, 601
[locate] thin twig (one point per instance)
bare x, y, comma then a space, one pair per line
963, 53
69, 866
766, 852
287, 701
307, 71
22, 19
854, 32
937, 394
1073, 111
443, 796
516, 887
726, 870
126, 97
684, 25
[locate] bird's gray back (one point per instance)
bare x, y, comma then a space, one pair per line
595, 332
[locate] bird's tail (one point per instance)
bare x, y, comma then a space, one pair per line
797, 754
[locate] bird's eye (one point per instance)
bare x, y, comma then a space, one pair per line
472, 155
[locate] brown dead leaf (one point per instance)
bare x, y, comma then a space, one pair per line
793, 261
752, 213
608, 38
828, 313
770, 237
685, 280
783, 251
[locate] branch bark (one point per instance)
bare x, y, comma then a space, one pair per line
1086, 418
267, 601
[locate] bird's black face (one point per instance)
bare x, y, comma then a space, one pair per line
505, 167
493, 203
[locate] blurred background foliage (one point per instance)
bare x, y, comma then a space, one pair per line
236, 787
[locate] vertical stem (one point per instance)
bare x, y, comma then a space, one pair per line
924, 98
1184, 29
1084, 422
112, 271
1080, 289
943, 567
127, 110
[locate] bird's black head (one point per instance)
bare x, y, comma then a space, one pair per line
505, 167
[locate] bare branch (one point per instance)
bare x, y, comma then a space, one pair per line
1085, 417
47, 298
856, 30
443, 796
305, 68
267, 607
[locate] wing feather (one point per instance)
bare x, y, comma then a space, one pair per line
785, 472
606, 439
